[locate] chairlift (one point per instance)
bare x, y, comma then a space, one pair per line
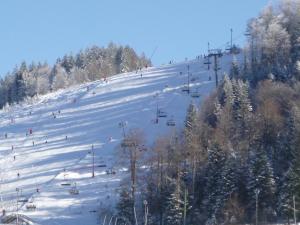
193, 79
185, 89
66, 182
102, 165
74, 190
110, 171
31, 206
171, 122
22, 199
126, 143
142, 148
195, 94
162, 113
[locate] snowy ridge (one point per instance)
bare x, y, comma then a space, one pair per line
87, 115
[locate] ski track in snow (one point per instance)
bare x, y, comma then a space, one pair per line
92, 120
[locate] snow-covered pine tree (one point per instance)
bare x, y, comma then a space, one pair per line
124, 207
174, 207
260, 178
288, 169
234, 72
213, 178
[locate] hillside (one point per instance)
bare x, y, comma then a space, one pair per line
66, 124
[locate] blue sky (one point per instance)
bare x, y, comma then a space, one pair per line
35, 30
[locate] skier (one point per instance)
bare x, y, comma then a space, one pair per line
58, 111
141, 75
14, 157
3, 212
30, 131
18, 174
12, 147
5, 135
66, 137
32, 143
37, 190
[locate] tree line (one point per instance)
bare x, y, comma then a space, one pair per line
27, 81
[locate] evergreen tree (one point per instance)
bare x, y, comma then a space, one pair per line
260, 178
125, 208
213, 177
174, 208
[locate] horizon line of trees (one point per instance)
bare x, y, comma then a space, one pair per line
27, 81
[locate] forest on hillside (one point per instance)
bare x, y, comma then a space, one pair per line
237, 160
27, 81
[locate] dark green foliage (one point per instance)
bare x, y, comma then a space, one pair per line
125, 206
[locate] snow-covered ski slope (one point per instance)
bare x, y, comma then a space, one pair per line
89, 115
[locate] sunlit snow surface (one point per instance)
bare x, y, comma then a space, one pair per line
93, 119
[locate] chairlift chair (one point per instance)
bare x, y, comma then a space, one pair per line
74, 190
171, 122
195, 94
31, 206
162, 113
22, 199
185, 89
126, 143
110, 171
193, 79
65, 182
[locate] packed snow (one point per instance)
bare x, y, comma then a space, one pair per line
47, 144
